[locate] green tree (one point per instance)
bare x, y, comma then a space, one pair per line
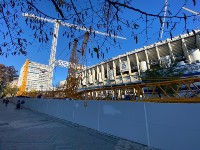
159, 73
10, 91
7, 73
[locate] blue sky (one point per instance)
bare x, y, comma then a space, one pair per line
42, 55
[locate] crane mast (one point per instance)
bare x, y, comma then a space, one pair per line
77, 61
71, 76
53, 54
192, 11
164, 17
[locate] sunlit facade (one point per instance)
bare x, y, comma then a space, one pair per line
37, 77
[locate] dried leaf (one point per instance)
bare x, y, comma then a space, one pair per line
47, 38
90, 29
171, 35
173, 26
18, 40
185, 18
161, 22
194, 2
114, 40
82, 17
124, 3
136, 39
194, 32
188, 32
96, 50
136, 26
167, 24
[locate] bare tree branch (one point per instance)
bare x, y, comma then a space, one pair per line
106, 16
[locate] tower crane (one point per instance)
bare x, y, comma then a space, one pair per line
164, 17
77, 61
52, 61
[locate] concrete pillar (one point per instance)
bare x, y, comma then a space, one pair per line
96, 95
129, 64
119, 94
108, 69
86, 76
158, 54
120, 61
114, 70
198, 41
137, 62
185, 51
93, 75
89, 75
97, 73
102, 72
170, 51
147, 59
125, 92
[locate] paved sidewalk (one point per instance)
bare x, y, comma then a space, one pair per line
27, 130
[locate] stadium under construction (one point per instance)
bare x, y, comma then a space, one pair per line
124, 69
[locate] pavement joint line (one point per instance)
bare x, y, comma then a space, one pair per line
94, 132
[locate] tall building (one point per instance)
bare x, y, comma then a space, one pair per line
34, 76
62, 83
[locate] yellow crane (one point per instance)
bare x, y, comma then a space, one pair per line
22, 88
76, 63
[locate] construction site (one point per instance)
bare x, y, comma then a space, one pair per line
119, 77
115, 97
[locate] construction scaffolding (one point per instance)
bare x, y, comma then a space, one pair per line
185, 90
181, 90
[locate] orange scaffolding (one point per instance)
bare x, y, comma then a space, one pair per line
186, 90
181, 90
